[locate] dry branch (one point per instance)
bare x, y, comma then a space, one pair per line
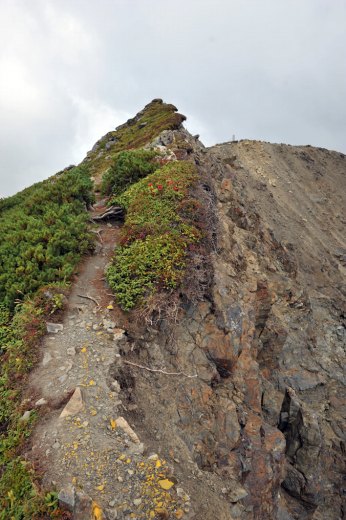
111, 212
87, 297
159, 370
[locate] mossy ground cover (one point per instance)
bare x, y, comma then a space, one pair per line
159, 230
43, 233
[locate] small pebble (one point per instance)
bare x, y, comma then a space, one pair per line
154, 456
41, 402
26, 416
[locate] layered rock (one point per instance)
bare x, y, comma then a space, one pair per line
258, 406
302, 342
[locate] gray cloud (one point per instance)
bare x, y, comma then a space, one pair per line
72, 70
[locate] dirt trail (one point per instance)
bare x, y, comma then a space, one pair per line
89, 455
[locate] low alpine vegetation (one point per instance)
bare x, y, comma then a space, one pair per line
128, 167
159, 229
43, 233
20, 497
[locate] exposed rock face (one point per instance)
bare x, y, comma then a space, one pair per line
301, 340
263, 420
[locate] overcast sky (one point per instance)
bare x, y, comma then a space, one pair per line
71, 70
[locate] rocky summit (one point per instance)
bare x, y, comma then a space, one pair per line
194, 367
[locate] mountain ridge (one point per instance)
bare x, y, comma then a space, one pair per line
222, 395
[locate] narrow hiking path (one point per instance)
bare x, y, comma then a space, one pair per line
82, 444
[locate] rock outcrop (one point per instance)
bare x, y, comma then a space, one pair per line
262, 421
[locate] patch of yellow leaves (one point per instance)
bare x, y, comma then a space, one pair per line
166, 484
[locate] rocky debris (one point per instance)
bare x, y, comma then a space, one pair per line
151, 495
259, 414
41, 402
54, 328
108, 324
164, 139
75, 404
124, 425
67, 498
47, 357
80, 504
118, 334
92, 452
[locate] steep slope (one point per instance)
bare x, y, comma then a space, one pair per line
297, 194
220, 395
267, 345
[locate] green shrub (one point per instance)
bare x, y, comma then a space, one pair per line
145, 265
20, 499
128, 167
155, 237
43, 234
